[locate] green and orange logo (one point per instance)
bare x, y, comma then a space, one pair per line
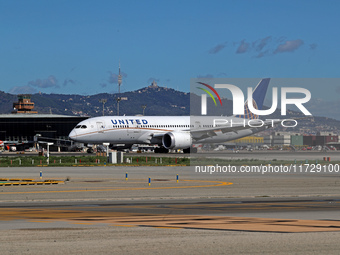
209, 93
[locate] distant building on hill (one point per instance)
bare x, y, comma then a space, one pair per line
153, 85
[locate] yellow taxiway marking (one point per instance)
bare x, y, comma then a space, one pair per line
215, 184
41, 221
170, 227
128, 226
86, 216
207, 222
83, 223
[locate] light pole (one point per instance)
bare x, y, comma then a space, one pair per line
143, 106
103, 101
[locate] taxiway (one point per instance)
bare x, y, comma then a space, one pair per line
98, 210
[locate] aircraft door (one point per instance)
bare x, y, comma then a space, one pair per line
100, 127
134, 128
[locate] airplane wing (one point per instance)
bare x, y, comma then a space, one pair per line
147, 137
198, 134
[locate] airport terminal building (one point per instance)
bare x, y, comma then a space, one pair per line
24, 130
25, 127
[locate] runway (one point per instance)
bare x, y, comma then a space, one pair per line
99, 210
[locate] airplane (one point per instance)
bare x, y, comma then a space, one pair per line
172, 132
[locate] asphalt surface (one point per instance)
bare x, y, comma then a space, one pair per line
98, 210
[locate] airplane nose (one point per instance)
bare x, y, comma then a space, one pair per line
73, 135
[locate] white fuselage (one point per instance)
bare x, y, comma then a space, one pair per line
150, 129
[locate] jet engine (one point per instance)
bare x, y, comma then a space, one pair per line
177, 140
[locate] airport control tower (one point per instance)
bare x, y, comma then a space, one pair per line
24, 104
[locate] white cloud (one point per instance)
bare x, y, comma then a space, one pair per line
243, 47
50, 82
22, 90
266, 46
289, 46
217, 48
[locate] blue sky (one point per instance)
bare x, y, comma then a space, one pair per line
74, 47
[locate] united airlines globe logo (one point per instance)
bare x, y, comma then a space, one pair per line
247, 113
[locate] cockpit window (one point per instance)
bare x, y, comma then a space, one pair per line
83, 126
78, 126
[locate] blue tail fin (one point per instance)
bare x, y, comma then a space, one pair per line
259, 94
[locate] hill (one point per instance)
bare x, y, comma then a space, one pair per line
158, 101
